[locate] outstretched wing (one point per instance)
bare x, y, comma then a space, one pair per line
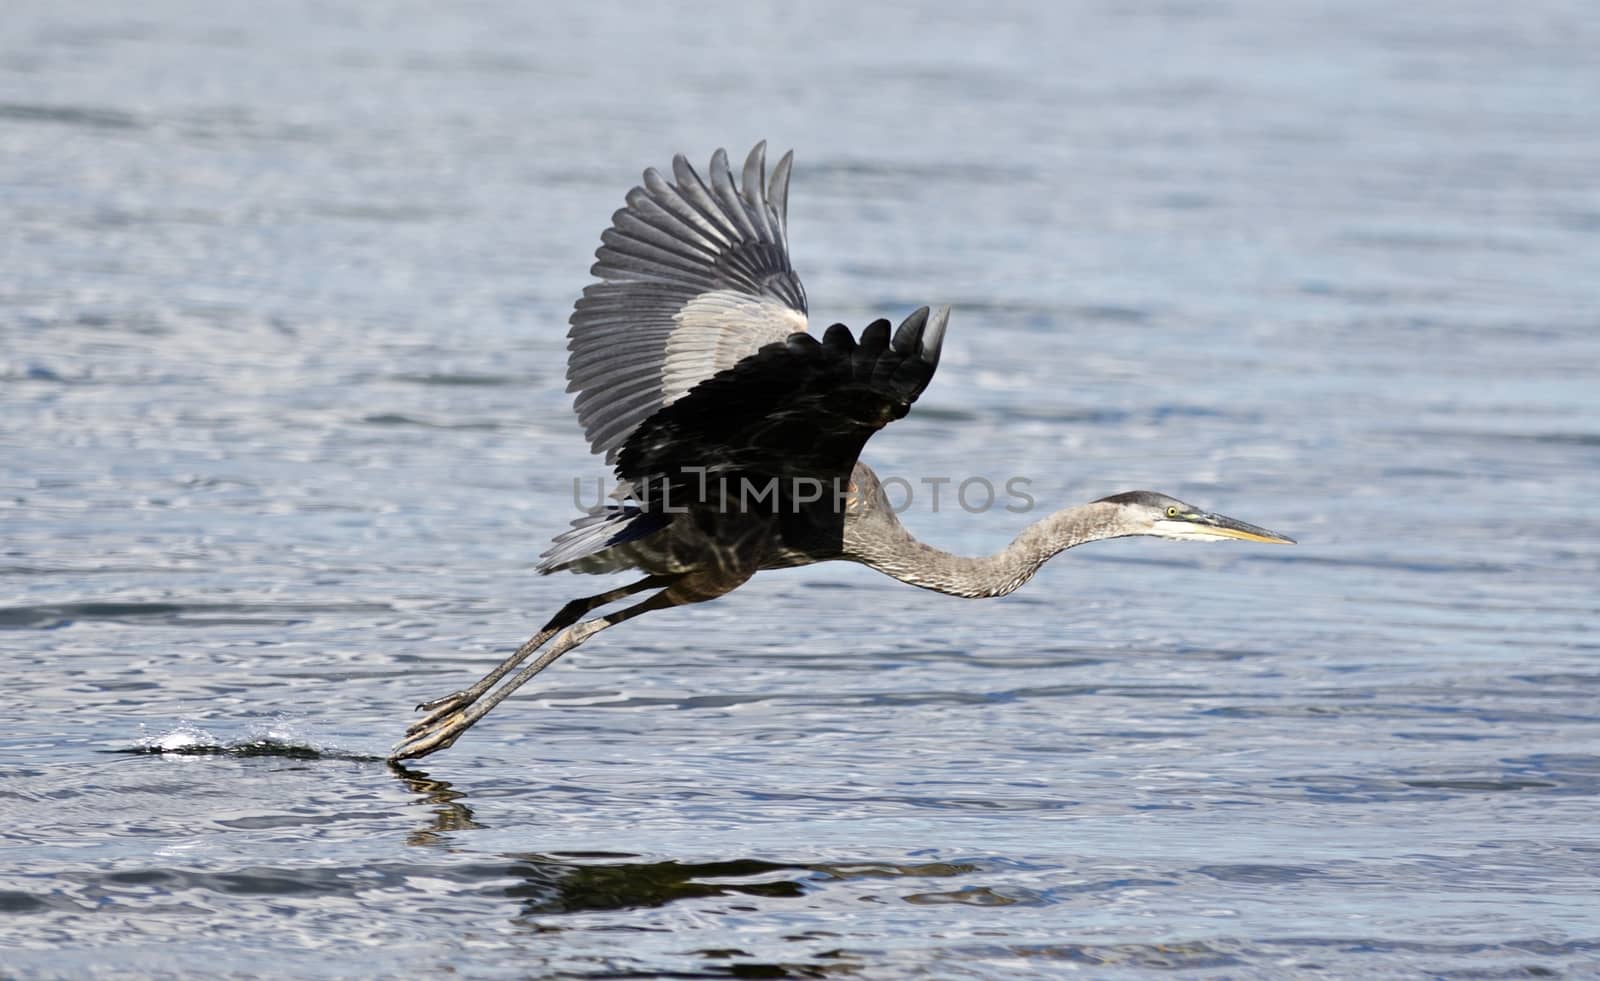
799, 410
693, 278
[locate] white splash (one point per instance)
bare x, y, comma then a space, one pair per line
187, 735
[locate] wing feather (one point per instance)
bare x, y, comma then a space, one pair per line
797, 409
753, 185
693, 278
697, 195
733, 205
778, 195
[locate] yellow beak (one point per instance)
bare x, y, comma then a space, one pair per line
1222, 526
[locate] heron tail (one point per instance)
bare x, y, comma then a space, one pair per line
597, 531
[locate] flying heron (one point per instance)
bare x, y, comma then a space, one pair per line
734, 433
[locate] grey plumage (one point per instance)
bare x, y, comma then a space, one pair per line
693, 278
696, 378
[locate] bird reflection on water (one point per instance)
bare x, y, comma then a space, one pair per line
563, 892
555, 884
451, 813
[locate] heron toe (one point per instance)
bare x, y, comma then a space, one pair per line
464, 695
440, 708
431, 737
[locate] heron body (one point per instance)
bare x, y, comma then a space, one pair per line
735, 433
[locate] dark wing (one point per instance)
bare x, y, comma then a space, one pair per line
693, 278
797, 409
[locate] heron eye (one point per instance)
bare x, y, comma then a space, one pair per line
1172, 511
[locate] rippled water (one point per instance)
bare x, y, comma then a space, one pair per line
282, 303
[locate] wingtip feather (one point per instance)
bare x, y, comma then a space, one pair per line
753, 188
933, 334
778, 189
755, 170
910, 329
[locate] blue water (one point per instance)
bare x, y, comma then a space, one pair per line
283, 430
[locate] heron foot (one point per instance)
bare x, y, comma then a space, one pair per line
450, 716
438, 708
438, 731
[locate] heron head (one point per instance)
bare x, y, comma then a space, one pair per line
1149, 513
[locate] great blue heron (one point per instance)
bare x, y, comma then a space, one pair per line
734, 433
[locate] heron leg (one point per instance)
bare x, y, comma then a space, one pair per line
440, 707
440, 730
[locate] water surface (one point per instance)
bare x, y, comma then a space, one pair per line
283, 431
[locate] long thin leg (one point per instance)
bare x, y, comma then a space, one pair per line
438, 708
441, 732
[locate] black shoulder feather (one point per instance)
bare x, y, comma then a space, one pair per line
799, 409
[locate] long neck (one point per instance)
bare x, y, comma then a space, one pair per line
886, 545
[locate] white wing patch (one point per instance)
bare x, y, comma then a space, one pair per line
717, 330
